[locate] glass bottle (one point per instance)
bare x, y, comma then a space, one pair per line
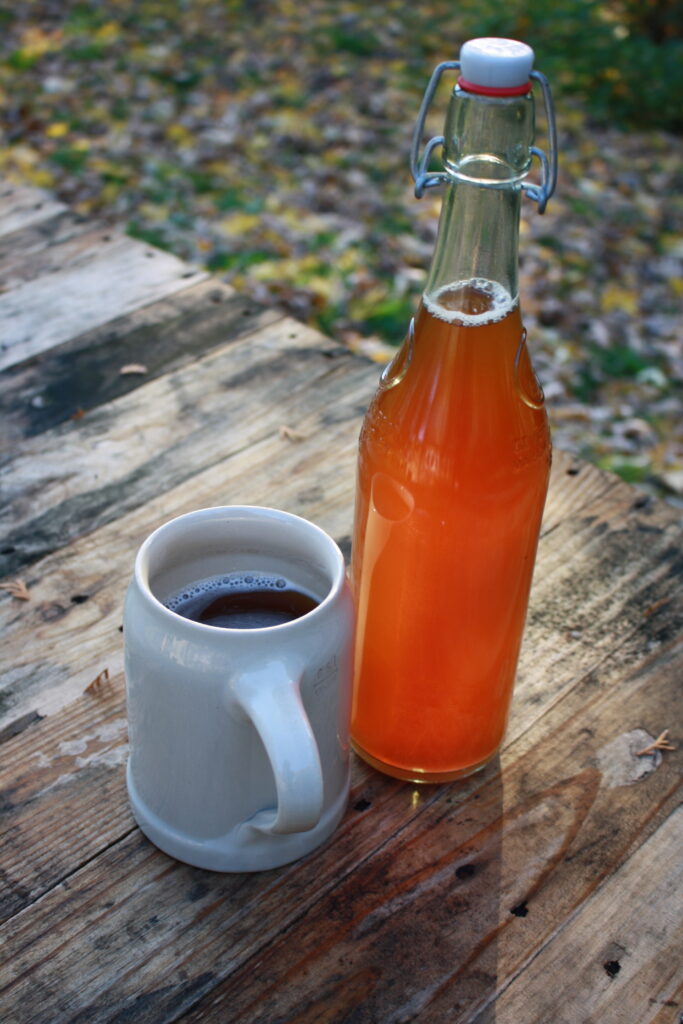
454, 457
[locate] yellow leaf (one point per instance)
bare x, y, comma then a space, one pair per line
154, 211
39, 178
108, 32
85, 207
179, 134
36, 41
109, 192
613, 297
240, 222
24, 156
57, 130
323, 286
267, 270
672, 244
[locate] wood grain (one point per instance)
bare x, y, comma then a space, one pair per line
31, 250
65, 383
112, 276
614, 963
85, 471
21, 207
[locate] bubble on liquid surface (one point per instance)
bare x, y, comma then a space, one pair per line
211, 585
472, 303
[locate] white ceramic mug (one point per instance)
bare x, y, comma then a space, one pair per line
239, 756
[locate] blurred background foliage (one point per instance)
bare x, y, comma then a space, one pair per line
269, 142
622, 59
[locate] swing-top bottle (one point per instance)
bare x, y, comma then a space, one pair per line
455, 452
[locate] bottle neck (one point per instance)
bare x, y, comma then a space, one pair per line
487, 153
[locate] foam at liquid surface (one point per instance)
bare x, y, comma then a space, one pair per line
223, 583
472, 303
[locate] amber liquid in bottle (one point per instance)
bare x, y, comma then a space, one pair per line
452, 477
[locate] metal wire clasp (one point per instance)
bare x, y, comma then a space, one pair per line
419, 166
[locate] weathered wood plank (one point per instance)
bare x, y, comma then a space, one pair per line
62, 801
88, 472
24, 253
21, 206
629, 968
444, 916
67, 381
112, 276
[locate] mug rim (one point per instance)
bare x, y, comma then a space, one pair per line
142, 580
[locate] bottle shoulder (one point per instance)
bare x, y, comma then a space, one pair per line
457, 394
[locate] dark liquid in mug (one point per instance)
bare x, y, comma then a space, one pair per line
242, 601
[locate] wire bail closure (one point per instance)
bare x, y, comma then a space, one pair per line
423, 178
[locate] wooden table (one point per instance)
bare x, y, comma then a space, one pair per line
545, 889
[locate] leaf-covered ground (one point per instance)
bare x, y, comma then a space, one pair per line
270, 142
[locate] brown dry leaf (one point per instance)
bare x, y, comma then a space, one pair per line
133, 368
16, 588
661, 743
98, 682
289, 434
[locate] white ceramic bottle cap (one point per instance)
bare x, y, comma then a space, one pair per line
492, 63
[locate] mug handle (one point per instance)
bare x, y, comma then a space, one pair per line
271, 699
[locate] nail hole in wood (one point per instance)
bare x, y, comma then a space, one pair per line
612, 967
521, 910
465, 871
362, 804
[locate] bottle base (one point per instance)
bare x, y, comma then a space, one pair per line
417, 774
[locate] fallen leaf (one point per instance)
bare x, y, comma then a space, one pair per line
289, 434
57, 130
98, 682
16, 588
616, 298
661, 743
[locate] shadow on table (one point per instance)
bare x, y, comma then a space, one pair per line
412, 933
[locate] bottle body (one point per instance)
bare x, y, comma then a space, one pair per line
453, 472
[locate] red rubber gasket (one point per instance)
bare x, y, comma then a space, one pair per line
490, 90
